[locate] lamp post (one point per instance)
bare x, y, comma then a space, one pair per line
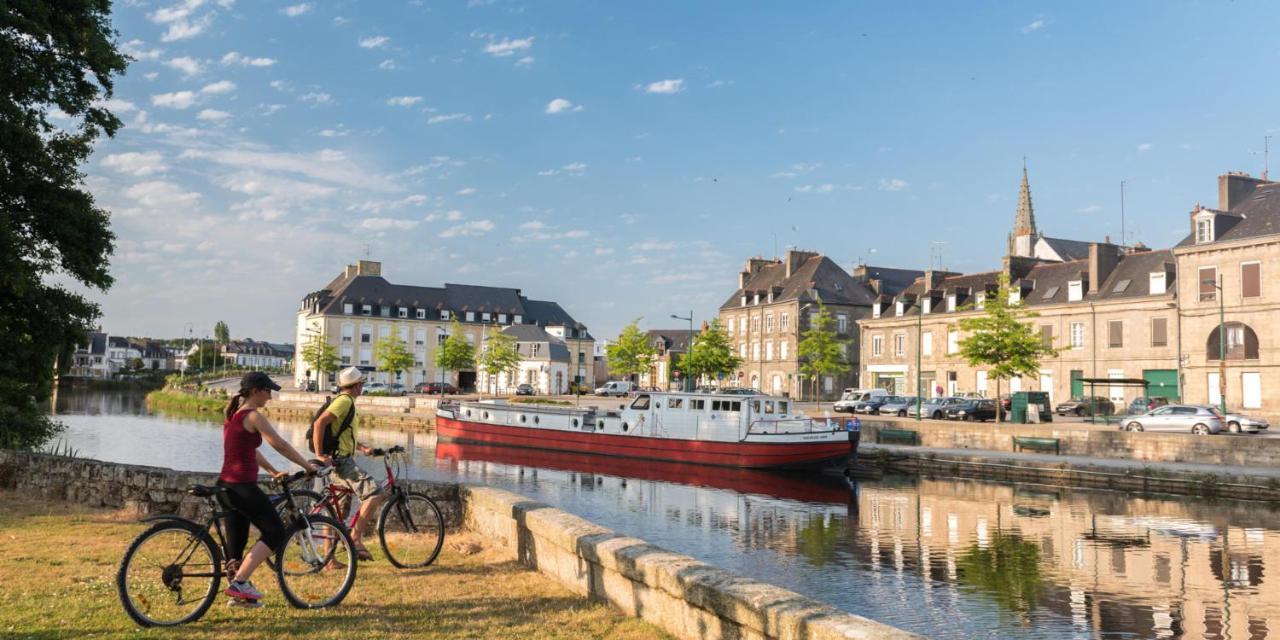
919, 352
799, 316
688, 379
1222, 343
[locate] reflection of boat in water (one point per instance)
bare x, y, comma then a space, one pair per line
755, 431
805, 488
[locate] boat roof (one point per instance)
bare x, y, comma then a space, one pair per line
701, 394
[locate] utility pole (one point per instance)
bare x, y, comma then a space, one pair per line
919, 352
1222, 350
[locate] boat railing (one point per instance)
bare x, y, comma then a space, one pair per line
779, 426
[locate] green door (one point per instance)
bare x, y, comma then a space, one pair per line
1161, 383
1077, 387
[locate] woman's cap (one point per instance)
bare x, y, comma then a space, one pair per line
350, 376
258, 380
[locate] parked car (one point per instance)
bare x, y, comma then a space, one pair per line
897, 406
851, 398
435, 388
524, 389
980, 410
1143, 404
1240, 423
1086, 406
935, 408
1187, 418
870, 406
396, 389
308, 385
615, 388
375, 387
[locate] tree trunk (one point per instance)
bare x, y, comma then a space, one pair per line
1000, 404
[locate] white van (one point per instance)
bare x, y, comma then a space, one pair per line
615, 388
851, 397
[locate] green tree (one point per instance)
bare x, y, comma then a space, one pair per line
710, 355
204, 357
999, 339
631, 354
820, 351
320, 357
53, 238
137, 364
499, 356
392, 355
457, 353
221, 332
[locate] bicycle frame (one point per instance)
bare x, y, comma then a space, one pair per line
335, 495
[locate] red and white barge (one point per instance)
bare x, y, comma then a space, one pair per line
728, 430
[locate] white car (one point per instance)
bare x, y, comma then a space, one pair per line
615, 388
1240, 423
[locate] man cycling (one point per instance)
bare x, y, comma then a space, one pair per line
345, 469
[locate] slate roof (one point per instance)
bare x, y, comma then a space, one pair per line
671, 339
892, 281
1067, 249
816, 275
1257, 216
527, 335
97, 343
1137, 268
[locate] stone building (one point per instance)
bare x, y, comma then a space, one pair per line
545, 363
360, 307
768, 313
669, 346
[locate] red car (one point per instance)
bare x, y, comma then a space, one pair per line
431, 388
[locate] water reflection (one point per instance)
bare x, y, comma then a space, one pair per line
950, 559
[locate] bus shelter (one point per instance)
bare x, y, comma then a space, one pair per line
1092, 384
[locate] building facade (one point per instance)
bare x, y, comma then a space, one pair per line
545, 363
253, 353
360, 307
669, 346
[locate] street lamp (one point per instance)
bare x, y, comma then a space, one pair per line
799, 316
919, 353
688, 348
1222, 344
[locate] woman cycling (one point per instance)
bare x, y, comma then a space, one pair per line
242, 434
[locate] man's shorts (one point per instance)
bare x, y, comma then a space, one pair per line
349, 474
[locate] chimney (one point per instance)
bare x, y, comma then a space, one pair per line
369, 268
932, 279
1103, 258
1234, 187
753, 267
349, 271
795, 258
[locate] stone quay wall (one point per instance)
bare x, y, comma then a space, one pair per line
685, 597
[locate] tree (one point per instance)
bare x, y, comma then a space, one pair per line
820, 352
221, 333
631, 354
1001, 340
710, 354
457, 353
320, 357
499, 356
204, 357
392, 355
53, 237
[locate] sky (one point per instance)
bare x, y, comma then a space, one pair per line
625, 160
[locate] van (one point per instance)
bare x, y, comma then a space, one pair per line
852, 397
615, 388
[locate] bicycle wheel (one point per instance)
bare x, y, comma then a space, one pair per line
316, 566
411, 530
170, 575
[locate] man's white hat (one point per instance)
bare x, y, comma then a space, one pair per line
349, 376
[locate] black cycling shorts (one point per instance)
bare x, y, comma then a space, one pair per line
249, 504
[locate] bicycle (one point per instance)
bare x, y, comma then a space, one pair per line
410, 524
178, 557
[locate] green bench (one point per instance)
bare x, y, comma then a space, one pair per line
1037, 444
897, 436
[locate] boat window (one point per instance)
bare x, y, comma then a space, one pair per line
675, 403
657, 405
575, 422
768, 406
715, 405
600, 424
735, 406
522, 417
641, 402
697, 405
755, 406
782, 407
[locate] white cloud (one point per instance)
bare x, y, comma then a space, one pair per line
473, 228
1093, 208
268, 109
467, 191
893, 184
135, 164
508, 47
175, 100
151, 75
404, 101
157, 194
654, 245
1035, 25
602, 251
525, 61
532, 225
316, 98
188, 66
560, 105
577, 233
549, 172
798, 169
213, 115
326, 165
387, 65
1144, 147
575, 168
280, 85
448, 117
235, 57
116, 105
295, 10
665, 86
183, 29
221, 86
716, 84
385, 224
335, 133
374, 42
137, 50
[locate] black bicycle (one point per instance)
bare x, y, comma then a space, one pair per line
172, 572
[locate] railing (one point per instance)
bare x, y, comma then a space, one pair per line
783, 426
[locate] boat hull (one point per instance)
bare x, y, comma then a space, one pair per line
751, 455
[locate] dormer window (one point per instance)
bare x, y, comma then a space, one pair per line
757, 299
899, 307
422, 314
770, 297
348, 308
404, 313
1075, 291
1204, 230
502, 318
366, 309
980, 300
744, 301
517, 319
484, 317
1015, 295
951, 302
1156, 284
444, 314
875, 310
471, 316
928, 305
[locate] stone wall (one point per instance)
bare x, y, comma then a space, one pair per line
683, 596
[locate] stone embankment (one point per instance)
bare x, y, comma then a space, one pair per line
685, 597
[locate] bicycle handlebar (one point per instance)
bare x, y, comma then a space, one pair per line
386, 452
321, 471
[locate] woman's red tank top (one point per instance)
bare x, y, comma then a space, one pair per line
239, 448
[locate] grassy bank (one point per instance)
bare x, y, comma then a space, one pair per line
60, 584
178, 402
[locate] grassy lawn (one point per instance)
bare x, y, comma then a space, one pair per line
57, 572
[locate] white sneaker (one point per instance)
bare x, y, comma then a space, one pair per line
243, 591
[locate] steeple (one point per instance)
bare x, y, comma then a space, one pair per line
1022, 240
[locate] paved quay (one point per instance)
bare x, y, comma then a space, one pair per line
1110, 464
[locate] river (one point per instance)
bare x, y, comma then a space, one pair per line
945, 558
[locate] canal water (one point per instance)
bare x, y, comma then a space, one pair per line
948, 559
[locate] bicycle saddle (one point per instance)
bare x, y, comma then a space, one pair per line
204, 491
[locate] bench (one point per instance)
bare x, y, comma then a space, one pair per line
897, 436
1037, 444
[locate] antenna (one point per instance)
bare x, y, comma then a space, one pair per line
1122, 213
367, 250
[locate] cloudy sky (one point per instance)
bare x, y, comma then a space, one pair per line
626, 160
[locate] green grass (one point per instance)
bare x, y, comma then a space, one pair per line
59, 564
178, 402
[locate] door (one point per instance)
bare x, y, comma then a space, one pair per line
1215, 389
982, 383
1046, 385
1116, 391
1161, 383
1077, 384
1251, 384
1159, 420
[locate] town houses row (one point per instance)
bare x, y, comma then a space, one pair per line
105, 356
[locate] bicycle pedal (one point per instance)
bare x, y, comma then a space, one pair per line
238, 603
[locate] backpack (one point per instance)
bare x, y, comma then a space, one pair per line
330, 440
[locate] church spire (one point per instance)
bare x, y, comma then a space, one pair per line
1024, 234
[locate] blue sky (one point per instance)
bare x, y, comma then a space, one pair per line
625, 160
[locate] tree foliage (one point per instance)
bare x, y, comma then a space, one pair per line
457, 352
392, 355
320, 356
221, 332
56, 56
204, 357
1001, 340
498, 356
820, 351
631, 354
710, 354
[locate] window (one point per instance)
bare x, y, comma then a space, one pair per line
441, 337
782, 350
366, 334
471, 316
348, 330
537, 348
346, 355
899, 344
366, 310
1156, 284
403, 313
697, 404
384, 331
1046, 335
742, 324
782, 406
980, 300
768, 351
366, 354
517, 319
877, 346
1075, 291
1121, 286
1251, 280
742, 351
898, 308
1159, 332
471, 337
1077, 335
1204, 230
1053, 291
768, 322
953, 342
485, 317
926, 343
1208, 282
422, 314
641, 402
444, 315
755, 351
675, 403
384, 311
347, 308
502, 318
783, 321
1115, 333
842, 323
928, 306
875, 310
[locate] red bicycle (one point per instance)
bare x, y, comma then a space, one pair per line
410, 524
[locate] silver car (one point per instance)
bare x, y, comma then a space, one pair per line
935, 408
1240, 423
1201, 420
897, 405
